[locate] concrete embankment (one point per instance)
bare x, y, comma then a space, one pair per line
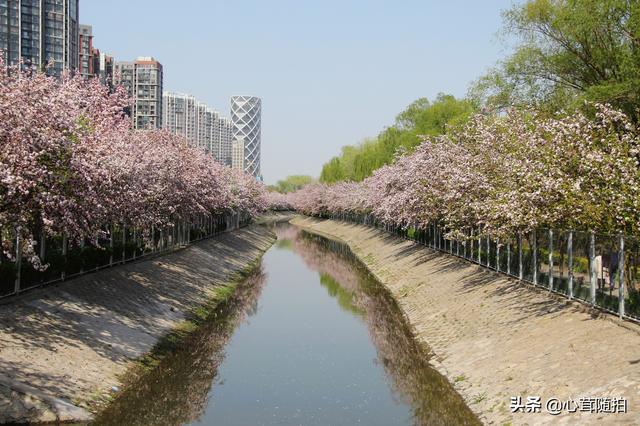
64, 348
495, 338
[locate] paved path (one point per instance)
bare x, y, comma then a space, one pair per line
495, 338
71, 341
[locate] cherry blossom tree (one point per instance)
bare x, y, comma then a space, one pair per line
504, 174
71, 164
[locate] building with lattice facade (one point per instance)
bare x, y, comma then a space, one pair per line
246, 116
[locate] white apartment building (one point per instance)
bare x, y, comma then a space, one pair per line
237, 154
199, 124
143, 80
226, 136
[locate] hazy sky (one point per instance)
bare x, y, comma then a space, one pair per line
329, 72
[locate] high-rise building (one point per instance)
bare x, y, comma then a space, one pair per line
39, 33
237, 154
142, 78
226, 137
211, 126
179, 114
92, 63
246, 118
105, 68
199, 124
87, 52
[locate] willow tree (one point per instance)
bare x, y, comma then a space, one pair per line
420, 118
568, 51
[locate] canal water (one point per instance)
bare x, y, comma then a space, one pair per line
310, 338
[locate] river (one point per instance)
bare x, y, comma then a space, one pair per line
310, 338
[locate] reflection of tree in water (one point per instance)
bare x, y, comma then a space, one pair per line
176, 391
405, 361
344, 297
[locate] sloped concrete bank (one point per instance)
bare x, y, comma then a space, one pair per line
64, 349
495, 338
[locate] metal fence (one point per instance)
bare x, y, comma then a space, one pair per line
65, 258
600, 270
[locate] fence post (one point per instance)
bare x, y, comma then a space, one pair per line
479, 248
497, 254
64, 255
592, 266
433, 235
520, 270
488, 252
135, 243
111, 244
451, 241
535, 256
570, 261
82, 245
43, 242
509, 258
464, 246
550, 259
436, 242
621, 276
18, 260
175, 233
124, 241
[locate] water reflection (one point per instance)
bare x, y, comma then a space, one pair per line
430, 396
302, 359
176, 391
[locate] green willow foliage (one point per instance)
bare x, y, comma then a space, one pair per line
568, 52
291, 183
422, 117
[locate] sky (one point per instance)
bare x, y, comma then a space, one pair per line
330, 72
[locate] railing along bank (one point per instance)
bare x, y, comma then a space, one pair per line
597, 269
119, 244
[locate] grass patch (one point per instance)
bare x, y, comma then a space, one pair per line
461, 378
172, 340
194, 318
479, 398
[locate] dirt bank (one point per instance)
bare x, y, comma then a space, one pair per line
494, 338
63, 348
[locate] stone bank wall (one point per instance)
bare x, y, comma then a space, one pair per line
63, 347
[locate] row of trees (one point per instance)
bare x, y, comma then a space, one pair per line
564, 53
291, 183
506, 173
421, 118
70, 163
